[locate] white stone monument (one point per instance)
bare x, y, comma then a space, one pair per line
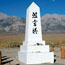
34, 50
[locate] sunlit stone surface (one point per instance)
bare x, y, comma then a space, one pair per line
34, 50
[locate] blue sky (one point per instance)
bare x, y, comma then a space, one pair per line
18, 7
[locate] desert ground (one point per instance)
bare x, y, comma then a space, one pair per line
9, 53
20, 37
13, 39
12, 54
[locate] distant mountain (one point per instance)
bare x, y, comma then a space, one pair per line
11, 24
50, 24
53, 23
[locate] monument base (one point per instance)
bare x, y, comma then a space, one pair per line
35, 54
36, 58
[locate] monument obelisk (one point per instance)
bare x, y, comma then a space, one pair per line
34, 50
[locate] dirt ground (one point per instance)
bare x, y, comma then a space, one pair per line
11, 54
21, 37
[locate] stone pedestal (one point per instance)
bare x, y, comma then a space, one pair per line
36, 58
35, 54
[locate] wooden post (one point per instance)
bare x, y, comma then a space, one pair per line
0, 57
60, 44
62, 53
52, 49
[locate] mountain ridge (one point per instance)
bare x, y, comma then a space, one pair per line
51, 23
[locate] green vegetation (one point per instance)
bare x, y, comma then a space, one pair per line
7, 44
14, 44
15, 40
53, 44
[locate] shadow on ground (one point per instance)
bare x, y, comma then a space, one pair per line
5, 60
